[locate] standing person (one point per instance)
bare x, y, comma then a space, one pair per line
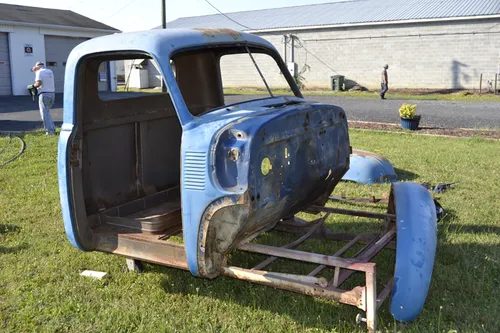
384, 86
44, 82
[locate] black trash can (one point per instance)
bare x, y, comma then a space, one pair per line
337, 82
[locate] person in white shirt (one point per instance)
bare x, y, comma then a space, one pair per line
44, 82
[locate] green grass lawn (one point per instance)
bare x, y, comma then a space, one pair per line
462, 96
41, 290
392, 94
121, 88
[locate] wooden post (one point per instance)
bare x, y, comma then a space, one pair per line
480, 83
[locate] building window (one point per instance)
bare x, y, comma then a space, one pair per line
51, 64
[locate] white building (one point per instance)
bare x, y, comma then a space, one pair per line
31, 34
441, 44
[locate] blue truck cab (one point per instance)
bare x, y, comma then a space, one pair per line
134, 171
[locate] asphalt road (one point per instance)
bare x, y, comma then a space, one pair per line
20, 113
447, 114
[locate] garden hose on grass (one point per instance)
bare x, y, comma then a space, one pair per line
6, 145
19, 153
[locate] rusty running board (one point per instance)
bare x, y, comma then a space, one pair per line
156, 249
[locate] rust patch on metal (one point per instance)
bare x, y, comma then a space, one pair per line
234, 154
74, 158
209, 262
296, 283
214, 32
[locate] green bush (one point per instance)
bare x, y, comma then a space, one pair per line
407, 110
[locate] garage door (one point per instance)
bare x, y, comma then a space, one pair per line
57, 49
5, 81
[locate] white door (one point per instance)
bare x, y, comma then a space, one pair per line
5, 79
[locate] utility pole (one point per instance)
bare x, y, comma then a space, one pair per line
164, 26
164, 14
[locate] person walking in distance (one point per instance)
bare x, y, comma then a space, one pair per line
384, 86
44, 82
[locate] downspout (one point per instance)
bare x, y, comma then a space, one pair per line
285, 40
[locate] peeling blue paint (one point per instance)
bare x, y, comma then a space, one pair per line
222, 151
416, 249
369, 168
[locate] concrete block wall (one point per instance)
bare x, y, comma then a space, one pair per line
444, 55
238, 70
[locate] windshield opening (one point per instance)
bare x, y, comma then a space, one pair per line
214, 77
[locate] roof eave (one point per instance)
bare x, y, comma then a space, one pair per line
332, 26
57, 26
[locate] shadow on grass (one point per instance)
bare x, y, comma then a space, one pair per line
6, 228
421, 128
405, 175
9, 228
438, 92
463, 271
307, 311
320, 314
13, 249
448, 225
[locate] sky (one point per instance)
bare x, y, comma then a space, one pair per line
135, 15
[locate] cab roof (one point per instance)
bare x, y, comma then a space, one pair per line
164, 42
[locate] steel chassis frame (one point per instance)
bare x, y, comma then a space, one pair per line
365, 297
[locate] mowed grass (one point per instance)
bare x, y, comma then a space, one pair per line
462, 96
41, 289
458, 96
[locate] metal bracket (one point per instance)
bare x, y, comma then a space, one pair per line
134, 265
360, 319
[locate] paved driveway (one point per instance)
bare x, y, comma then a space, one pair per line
21, 113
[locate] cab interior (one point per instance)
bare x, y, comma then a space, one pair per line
131, 144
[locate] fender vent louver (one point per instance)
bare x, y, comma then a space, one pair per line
194, 170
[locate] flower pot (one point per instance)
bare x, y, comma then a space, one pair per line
410, 123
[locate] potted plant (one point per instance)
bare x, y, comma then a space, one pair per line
408, 118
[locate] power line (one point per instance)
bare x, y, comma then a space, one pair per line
119, 10
317, 58
321, 61
76, 3
227, 16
